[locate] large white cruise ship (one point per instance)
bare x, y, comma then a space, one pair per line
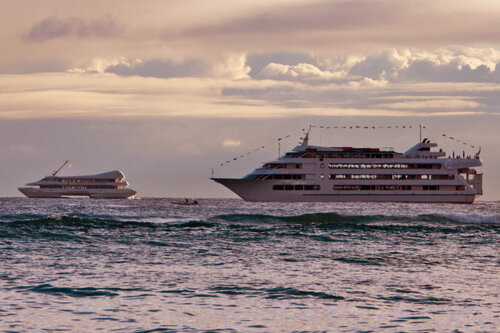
314, 173
108, 185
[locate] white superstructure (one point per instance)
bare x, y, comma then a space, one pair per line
108, 185
314, 173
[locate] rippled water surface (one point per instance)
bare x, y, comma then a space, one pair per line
226, 265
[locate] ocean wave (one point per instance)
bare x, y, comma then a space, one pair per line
74, 292
279, 292
471, 218
303, 218
333, 218
319, 219
97, 220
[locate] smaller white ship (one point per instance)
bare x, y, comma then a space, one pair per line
108, 185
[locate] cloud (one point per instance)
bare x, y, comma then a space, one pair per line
54, 27
161, 68
391, 82
434, 103
457, 64
230, 67
367, 82
301, 71
444, 65
354, 25
34, 66
427, 70
376, 69
257, 61
231, 143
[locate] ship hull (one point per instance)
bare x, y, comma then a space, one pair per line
261, 191
94, 194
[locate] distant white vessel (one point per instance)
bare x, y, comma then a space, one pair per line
314, 173
108, 185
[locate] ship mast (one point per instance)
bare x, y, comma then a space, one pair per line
55, 172
305, 142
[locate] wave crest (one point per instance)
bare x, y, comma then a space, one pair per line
330, 218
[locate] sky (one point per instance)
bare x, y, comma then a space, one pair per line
168, 90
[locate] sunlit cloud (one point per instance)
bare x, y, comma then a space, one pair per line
231, 143
228, 67
301, 71
456, 104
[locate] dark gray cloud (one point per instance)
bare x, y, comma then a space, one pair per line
354, 24
374, 66
336, 15
424, 70
54, 27
162, 68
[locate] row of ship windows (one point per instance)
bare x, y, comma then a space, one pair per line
339, 155
383, 166
358, 166
363, 176
283, 166
296, 187
361, 187
72, 180
392, 187
446, 177
82, 187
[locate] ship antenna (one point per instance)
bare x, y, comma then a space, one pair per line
55, 172
420, 138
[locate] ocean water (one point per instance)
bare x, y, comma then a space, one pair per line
148, 265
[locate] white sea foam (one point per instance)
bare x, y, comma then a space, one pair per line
473, 218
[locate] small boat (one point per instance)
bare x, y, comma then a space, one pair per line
186, 202
107, 185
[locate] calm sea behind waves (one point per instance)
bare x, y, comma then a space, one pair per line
148, 265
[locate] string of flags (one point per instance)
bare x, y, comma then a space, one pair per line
252, 151
356, 127
389, 127
361, 127
459, 141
